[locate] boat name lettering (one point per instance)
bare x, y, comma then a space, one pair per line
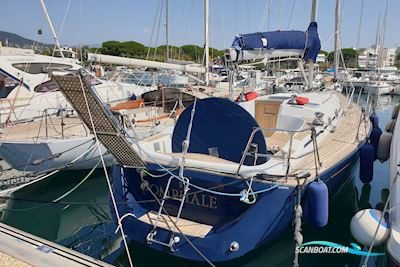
198, 199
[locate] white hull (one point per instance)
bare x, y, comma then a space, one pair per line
19, 154
375, 89
393, 244
28, 101
30, 107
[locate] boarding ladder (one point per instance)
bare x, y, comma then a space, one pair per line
151, 237
77, 89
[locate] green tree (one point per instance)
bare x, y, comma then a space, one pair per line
349, 55
111, 48
133, 49
138, 50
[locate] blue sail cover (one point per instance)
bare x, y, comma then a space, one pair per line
308, 40
220, 128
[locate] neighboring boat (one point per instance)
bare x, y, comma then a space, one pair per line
393, 244
358, 79
32, 91
147, 78
389, 73
378, 88
42, 132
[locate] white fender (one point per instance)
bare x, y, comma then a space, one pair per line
383, 152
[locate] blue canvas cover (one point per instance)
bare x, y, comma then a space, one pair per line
220, 128
308, 40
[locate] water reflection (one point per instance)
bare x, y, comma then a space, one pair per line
363, 202
55, 221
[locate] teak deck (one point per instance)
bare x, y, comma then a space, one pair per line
185, 226
336, 146
36, 130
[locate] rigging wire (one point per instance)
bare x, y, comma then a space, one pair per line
265, 15
222, 21
134, 141
152, 30
47, 174
291, 14
106, 174
80, 42
247, 12
27, 66
40, 161
87, 176
63, 22
235, 17
360, 24
186, 29
158, 31
122, 202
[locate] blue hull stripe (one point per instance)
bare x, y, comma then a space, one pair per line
14, 78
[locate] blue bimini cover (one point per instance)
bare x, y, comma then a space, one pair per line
220, 128
308, 41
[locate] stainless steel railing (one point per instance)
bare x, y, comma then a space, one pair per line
288, 157
60, 113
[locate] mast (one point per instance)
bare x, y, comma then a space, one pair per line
377, 40
51, 27
360, 23
206, 41
337, 46
166, 30
314, 11
314, 14
382, 46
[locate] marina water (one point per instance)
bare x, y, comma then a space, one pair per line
81, 219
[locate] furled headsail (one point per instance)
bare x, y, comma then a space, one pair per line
260, 45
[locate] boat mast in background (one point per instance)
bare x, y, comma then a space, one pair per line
206, 42
337, 46
359, 24
377, 34
382, 43
166, 30
51, 27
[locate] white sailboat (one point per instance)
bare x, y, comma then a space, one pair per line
32, 90
393, 244
38, 136
237, 163
378, 88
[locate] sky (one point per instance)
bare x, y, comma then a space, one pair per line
94, 21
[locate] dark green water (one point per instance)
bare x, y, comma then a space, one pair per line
82, 219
